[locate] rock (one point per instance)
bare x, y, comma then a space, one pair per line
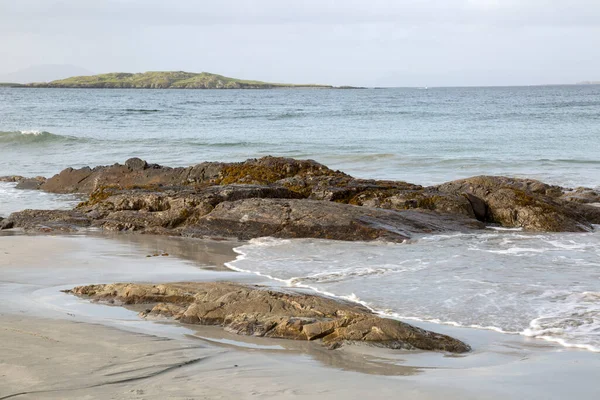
47, 221
6, 224
524, 203
242, 212
136, 164
582, 195
23, 182
69, 181
479, 207
31, 183
195, 200
250, 218
141, 210
12, 178
274, 313
270, 170
137, 173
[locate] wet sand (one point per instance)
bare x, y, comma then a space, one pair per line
55, 346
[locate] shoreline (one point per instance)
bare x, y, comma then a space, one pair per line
30, 293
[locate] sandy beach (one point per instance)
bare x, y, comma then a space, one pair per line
55, 346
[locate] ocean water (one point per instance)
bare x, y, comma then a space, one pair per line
545, 286
420, 136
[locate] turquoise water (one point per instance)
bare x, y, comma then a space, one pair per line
421, 136
545, 286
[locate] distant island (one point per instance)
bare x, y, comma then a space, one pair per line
167, 80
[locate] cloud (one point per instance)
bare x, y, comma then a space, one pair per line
244, 12
359, 42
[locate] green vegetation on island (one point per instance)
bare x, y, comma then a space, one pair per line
166, 80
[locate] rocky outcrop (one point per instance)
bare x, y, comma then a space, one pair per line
138, 173
246, 219
23, 182
582, 195
239, 211
271, 312
284, 197
525, 203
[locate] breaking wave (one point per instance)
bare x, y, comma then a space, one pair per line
34, 137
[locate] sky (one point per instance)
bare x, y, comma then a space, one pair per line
349, 42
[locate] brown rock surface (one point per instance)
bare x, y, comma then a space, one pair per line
269, 312
284, 197
47, 221
583, 195
138, 173
23, 182
246, 219
239, 211
525, 203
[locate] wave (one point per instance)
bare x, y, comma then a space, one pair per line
34, 137
571, 324
568, 161
363, 157
198, 143
288, 115
571, 319
294, 282
141, 110
31, 137
329, 277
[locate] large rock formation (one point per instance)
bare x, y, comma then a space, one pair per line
300, 198
526, 203
271, 312
238, 211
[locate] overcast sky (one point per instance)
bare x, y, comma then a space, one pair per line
367, 42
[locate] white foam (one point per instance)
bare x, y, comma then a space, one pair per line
32, 132
501, 228
444, 284
568, 245
12, 199
296, 283
573, 322
517, 250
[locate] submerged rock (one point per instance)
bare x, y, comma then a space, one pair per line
269, 312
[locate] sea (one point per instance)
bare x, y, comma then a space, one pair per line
539, 285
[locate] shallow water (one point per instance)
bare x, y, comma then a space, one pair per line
12, 199
539, 285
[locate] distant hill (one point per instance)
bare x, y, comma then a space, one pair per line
589, 83
43, 73
165, 80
